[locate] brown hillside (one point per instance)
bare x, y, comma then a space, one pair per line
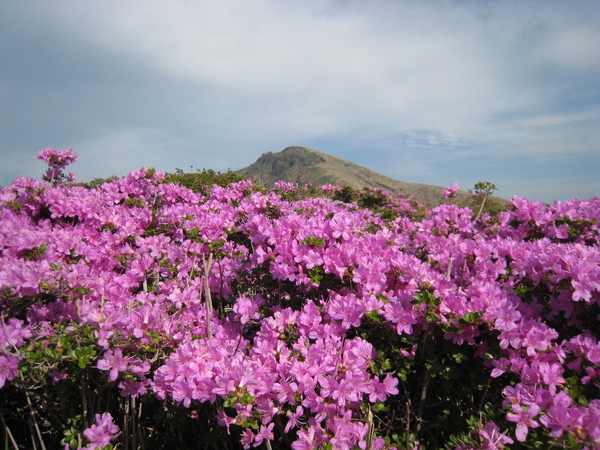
304, 165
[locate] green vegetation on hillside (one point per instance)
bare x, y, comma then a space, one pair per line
201, 179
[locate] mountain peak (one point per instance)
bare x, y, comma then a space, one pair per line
305, 165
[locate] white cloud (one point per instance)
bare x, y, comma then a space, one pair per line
459, 79
449, 66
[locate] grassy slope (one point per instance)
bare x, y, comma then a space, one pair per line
304, 165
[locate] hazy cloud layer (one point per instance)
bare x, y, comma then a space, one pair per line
425, 91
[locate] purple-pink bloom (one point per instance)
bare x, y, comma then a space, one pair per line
102, 432
450, 191
57, 375
8, 368
57, 161
247, 438
247, 309
379, 390
309, 438
524, 418
13, 333
493, 439
133, 389
557, 419
264, 433
56, 158
113, 361
294, 418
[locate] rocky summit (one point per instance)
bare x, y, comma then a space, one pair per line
304, 165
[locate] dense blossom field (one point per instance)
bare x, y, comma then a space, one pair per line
140, 314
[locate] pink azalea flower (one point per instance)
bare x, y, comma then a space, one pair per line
102, 432
381, 389
115, 362
450, 191
493, 439
8, 368
524, 418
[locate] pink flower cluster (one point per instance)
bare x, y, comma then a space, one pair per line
255, 302
57, 161
450, 191
101, 433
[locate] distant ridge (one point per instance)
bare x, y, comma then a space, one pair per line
304, 165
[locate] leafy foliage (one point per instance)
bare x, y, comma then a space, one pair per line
202, 180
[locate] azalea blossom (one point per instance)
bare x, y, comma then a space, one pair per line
101, 433
450, 191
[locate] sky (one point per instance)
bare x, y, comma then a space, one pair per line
435, 92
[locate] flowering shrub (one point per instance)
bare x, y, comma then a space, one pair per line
293, 318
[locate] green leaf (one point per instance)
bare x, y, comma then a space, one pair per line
230, 401
313, 241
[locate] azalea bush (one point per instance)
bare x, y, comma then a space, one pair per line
140, 314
